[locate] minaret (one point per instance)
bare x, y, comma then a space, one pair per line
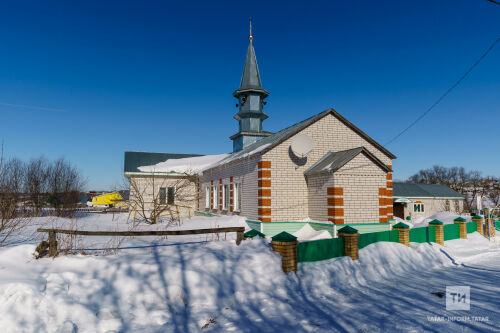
250, 105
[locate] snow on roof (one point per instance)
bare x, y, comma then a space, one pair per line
190, 165
238, 155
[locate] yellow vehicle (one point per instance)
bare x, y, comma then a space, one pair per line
109, 200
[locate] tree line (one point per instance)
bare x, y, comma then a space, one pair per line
471, 183
36, 184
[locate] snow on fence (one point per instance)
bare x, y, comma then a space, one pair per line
52, 244
325, 249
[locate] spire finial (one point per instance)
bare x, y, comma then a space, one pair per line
250, 37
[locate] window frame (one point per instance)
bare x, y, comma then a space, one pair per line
225, 197
162, 196
237, 197
171, 202
207, 197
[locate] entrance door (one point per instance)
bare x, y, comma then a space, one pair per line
399, 210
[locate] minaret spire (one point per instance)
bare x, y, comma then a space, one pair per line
250, 37
250, 97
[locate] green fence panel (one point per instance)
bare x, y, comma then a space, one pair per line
432, 234
382, 236
254, 225
418, 235
451, 231
322, 249
471, 227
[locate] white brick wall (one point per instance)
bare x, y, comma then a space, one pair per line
360, 180
243, 171
149, 188
289, 189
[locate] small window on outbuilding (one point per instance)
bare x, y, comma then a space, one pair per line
171, 195
163, 195
418, 207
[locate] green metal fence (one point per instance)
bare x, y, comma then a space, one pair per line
451, 231
322, 249
382, 236
418, 235
471, 227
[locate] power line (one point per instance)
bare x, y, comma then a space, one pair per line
447, 91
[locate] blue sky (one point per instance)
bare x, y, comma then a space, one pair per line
89, 80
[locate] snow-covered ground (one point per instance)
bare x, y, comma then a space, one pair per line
174, 287
445, 217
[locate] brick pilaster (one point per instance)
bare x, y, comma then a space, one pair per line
264, 191
335, 204
389, 204
382, 204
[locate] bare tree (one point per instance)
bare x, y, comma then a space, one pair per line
64, 186
156, 195
11, 197
493, 191
36, 183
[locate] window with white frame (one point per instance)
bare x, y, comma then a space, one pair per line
418, 207
207, 197
237, 197
214, 194
225, 197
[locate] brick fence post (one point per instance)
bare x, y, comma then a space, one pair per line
492, 225
438, 227
350, 236
462, 226
403, 232
479, 223
487, 228
286, 245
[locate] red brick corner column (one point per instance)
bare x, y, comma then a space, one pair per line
389, 210
335, 204
382, 205
264, 189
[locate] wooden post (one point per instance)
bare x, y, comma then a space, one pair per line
462, 226
350, 236
403, 232
479, 223
438, 227
286, 245
52, 244
487, 228
239, 237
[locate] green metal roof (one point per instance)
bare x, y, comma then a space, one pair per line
135, 159
347, 230
435, 222
252, 233
284, 237
333, 161
400, 225
460, 219
250, 80
419, 190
